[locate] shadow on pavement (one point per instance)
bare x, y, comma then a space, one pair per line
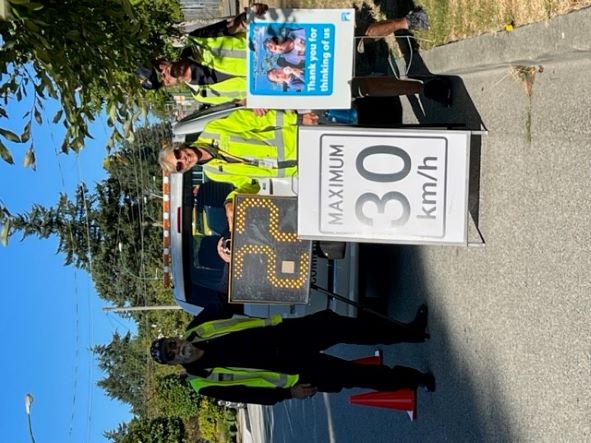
391, 277
452, 413
462, 114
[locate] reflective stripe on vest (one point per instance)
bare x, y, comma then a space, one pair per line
224, 54
227, 90
254, 378
216, 328
278, 142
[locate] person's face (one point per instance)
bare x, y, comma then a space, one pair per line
184, 158
278, 75
181, 70
179, 351
299, 44
279, 47
165, 76
173, 73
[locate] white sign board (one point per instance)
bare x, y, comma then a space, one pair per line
383, 185
301, 59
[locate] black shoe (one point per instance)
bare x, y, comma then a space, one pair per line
428, 382
420, 321
439, 90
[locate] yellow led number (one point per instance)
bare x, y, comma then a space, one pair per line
279, 236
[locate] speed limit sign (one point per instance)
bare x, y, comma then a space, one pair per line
379, 185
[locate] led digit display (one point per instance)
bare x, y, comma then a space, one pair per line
269, 263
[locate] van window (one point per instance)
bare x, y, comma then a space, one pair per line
204, 222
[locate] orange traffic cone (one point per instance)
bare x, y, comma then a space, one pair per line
401, 400
376, 359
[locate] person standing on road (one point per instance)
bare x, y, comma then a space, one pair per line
242, 148
213, 64
265, 361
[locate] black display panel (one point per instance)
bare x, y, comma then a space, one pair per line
269, 263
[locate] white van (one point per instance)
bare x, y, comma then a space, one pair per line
192, 219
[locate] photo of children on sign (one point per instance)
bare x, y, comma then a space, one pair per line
291, 58
300, 59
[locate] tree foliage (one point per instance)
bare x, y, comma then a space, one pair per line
70, 220
124, 362
130, 211
114, 232
83, 53
215, 422
175, 397
145, 430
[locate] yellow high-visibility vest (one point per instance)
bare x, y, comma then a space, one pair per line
238, 376
226, 377
217, 328
254, 147
225, 54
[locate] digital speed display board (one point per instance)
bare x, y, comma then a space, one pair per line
269, 264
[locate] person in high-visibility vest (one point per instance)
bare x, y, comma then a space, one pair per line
264, 361
215, 72
241, 148
213, 64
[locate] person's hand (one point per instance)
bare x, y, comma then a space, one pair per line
222, 252
259, 112
195, 190
300, 45
303, 390
292, 70
309, 119
239, 23
259, 9
230, 214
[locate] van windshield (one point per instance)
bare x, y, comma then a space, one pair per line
204, 223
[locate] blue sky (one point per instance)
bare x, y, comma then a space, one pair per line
52, 315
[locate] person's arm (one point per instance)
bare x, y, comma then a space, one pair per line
240, 22
211, 99
231, 26
247, 120
244, 394
217, 29
243, 184
207, 315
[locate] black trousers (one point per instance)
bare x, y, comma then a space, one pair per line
304, 338
324, 329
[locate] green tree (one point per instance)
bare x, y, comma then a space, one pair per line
124, 360
175, 397
71, 221
130, 211
145, 430
215, 422
115, 232
83, 53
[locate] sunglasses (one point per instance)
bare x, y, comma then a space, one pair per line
179, 164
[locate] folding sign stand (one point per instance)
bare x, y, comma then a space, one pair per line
384, 185
269, 263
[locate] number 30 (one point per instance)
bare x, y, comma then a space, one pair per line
380, 202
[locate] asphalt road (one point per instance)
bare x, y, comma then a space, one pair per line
511, 321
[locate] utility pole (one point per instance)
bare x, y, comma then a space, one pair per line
142, 308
